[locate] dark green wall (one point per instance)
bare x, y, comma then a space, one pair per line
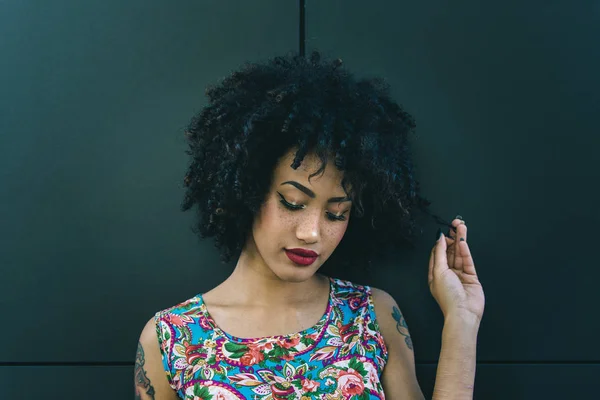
93, 100
507, 98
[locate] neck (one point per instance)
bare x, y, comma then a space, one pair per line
252, 282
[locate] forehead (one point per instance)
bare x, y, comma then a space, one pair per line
331, 176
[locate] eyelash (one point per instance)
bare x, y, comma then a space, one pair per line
292, 207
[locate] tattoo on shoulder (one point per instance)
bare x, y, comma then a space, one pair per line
401, 326
142, 382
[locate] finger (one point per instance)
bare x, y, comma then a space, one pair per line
453, 225
449, 244
452, 230
440, 263
460, 229
432, 263
450, 239
468, 265
461, 236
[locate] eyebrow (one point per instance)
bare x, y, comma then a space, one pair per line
312, 195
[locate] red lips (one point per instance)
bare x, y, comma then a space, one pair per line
301, 257
303, 252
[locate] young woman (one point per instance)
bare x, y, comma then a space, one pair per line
293, 160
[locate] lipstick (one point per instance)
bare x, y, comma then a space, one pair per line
302, 257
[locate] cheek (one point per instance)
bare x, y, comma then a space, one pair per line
272, 219
336, 232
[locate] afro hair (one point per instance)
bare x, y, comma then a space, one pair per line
262, 111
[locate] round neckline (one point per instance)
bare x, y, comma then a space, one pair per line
316, 328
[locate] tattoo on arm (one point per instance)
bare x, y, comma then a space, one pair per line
401, 326
142, 382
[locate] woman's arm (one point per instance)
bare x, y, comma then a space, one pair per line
455, 375
399, 378
149, 379
456, 367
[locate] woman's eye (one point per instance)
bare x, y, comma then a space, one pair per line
291, 206
288, 205
294, 207
334, 217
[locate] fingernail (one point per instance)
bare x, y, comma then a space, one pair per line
438, 234
459, 217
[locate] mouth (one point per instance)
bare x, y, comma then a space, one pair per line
301, 257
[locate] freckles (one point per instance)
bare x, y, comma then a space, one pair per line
280, 218
283, 217
336, 234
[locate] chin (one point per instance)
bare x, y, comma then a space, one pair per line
290, 273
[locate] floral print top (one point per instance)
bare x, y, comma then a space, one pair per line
341, 357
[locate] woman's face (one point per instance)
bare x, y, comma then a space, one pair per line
318, 223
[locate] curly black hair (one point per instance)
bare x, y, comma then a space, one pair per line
263, 110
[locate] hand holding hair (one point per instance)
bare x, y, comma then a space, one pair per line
452, 276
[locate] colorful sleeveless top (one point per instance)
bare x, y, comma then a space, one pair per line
341, 357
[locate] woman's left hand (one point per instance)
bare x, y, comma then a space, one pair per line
452, 277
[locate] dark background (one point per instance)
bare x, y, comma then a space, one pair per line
93, 100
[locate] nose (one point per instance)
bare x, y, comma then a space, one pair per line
309, 227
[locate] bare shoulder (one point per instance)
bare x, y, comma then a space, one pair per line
390, 318
382, 297
399, 375
150, 379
